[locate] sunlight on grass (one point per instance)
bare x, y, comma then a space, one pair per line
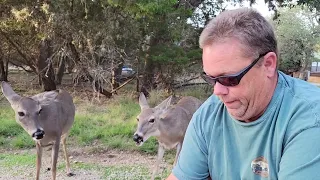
24, 140
13, 160
112, 124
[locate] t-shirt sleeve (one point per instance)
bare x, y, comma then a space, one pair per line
301, 156
193, 159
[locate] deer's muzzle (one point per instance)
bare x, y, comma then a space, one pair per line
39, 134
138, 139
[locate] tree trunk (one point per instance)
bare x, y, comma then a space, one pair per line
3, 67
69, 66
3, 73
304, 66
6, 69
147, 79
44, 65
85, 72
61, 69
25, 56
116, 74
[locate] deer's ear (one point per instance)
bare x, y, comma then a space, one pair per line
143, 101
9, 93
165, 104
46, 97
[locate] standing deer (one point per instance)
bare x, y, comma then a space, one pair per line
47, 117
167, 123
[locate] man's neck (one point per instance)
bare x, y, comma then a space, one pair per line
268, 99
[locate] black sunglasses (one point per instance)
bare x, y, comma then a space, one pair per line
233, 79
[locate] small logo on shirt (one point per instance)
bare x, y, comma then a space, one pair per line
260, 167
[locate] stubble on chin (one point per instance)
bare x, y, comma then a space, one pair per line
239, 113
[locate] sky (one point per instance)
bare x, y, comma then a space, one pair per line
260, 6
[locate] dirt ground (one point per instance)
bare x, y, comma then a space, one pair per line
101, 157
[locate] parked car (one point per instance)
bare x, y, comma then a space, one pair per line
126, 73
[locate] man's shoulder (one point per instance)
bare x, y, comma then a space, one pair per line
299, 90
300, 106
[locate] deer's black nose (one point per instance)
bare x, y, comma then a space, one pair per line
137, 138
39, 134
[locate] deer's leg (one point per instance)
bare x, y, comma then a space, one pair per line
39, 155
159, 158
179, 146
66, 157
54, 157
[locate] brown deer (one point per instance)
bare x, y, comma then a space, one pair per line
47, 117
168, 123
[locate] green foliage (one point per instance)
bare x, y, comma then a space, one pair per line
311, 4
166, 36
169, 54
145, 8
295, 30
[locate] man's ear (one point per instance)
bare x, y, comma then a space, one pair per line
270, 63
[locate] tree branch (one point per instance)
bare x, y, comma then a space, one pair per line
18, 48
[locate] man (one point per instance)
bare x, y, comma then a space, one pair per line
259, 123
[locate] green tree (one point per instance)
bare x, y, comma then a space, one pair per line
297, 36
26, 27
96, 38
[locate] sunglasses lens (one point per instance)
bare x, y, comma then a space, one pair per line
228, 81
208, 79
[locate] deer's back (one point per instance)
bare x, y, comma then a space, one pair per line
58, 112
189, 103
68, 109
176, 119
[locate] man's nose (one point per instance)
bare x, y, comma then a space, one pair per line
220, 89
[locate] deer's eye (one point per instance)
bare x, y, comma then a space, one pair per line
21, 113
151, 120
40, 111
138, 119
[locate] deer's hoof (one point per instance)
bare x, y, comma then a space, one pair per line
70, 174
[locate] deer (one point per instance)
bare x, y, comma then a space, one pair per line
47, 117
166, 122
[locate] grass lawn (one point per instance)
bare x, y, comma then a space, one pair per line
100, 126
